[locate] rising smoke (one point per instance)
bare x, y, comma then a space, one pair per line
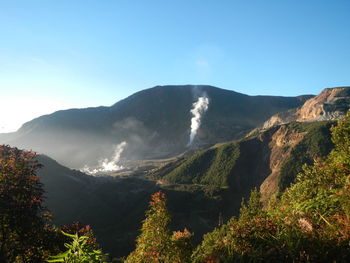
106, 165
199, 108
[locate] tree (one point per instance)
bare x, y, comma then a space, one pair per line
24, 235
156, 244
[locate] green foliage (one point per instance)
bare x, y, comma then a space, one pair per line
222, 165
251, 238
212, 246
253, 206
156, 244
316, 144
79, 251
193, 169
310, 223
209, 167
341, 136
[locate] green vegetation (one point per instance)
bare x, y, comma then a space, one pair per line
209, 167
156, 243
80, 250
316, 144
309, 223
192, 170
222, 165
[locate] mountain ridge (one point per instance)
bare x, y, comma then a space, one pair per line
155, 123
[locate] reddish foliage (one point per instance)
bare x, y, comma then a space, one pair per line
158, 197
182, 235
22, 216
211, 259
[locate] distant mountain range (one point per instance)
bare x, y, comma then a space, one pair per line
155, 123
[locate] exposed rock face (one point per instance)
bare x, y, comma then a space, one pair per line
317, 107
280, 118
281, 144
330, 104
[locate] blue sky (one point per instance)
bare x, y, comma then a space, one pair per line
62, 54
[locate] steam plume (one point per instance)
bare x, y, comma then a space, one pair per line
199, 108
107, 165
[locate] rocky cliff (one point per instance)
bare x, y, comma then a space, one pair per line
330, 104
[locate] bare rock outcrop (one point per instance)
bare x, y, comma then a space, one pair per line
281, 144
330, 104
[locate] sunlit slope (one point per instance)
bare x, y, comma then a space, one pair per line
269, 160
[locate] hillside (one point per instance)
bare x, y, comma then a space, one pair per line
155, 123
268, 160
309, 222
111, 206
115, 207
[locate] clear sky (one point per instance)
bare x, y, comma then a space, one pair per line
58, 54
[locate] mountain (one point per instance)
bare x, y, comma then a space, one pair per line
154, 123
66, 190
330, 104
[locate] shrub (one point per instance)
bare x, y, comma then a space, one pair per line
156, 243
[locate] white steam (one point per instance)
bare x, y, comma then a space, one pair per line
107, 165
199, 108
